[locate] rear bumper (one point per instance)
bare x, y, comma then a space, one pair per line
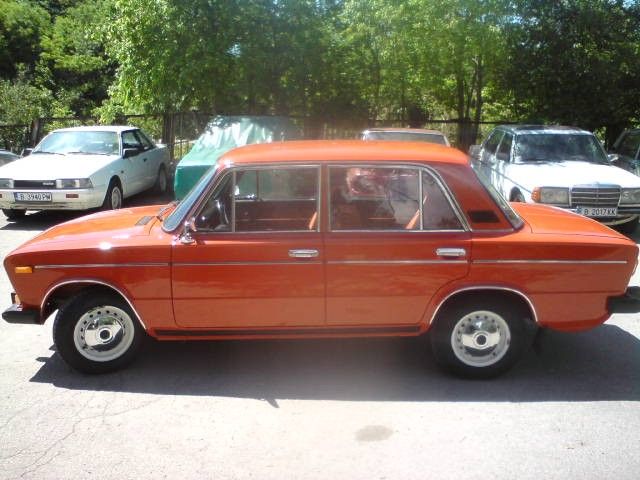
627, 303
17, 314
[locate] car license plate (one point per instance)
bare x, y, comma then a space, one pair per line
597, 211
32, 196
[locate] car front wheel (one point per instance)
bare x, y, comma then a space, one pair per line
97, 332
480, 338
113, 199
160, 187
13, 214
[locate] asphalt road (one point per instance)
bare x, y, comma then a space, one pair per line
348, 409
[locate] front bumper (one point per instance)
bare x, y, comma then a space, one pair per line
81, 199
627, 303
17, 314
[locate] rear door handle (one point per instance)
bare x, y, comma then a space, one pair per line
303, 253
451, 252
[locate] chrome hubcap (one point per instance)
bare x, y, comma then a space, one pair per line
103, 333
481, 338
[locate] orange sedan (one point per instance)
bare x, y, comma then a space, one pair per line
325, 239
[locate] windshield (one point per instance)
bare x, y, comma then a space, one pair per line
407, 137
174, 219
554, 147
79, 141
511, 215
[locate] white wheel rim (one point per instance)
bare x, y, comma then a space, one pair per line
103, 333
481, 338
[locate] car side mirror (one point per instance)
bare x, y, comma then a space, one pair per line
26, 152
189, 228
613, 157
130, 152
474, 152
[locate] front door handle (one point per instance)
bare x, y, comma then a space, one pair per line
303, 253
451, 252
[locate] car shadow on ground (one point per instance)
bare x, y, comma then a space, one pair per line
42, 219
599, 365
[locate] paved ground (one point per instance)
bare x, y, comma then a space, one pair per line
317, 409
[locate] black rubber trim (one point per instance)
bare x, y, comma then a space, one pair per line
15, 314
627, 303
285, 331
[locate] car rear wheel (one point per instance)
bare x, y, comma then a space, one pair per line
13, 214
113, 199
97, 332
480, 337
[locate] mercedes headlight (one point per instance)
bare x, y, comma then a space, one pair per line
627, 196
73, 183
551, 195
6, 183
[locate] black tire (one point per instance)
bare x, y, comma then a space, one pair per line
114, 192
13, 214
474, 356
629, 227
97, 332
162, 181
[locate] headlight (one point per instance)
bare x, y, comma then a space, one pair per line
551, 195
6, 183
628, 195
73, 183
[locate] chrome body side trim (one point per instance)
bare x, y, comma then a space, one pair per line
485, 287
218, 264
94, 282
395, 262
99, 265
556, 262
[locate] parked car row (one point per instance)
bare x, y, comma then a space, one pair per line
92, 167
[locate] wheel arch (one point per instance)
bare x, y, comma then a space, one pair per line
470, 292
63, 291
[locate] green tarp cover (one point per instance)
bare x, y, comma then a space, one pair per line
221, 135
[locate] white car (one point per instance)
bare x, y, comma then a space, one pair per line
82, 168
561, 166
405, 135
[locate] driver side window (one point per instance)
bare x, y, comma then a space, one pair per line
215, 215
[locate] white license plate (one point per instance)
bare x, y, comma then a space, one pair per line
597, 211
32, 196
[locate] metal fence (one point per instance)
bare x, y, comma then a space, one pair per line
179, 130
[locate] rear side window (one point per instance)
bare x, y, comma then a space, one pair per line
367, 198
492, 142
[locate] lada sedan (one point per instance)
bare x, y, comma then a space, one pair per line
82, 168
561, 166
325, 239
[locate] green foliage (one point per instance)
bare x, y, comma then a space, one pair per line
22, 25
576, 62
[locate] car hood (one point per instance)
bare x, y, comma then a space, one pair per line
544, 219
570, 173
51, 166
99, 230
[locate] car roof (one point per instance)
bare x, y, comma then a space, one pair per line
404, 130
98, 128
556, 129
336, 151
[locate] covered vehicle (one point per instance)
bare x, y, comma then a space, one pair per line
224, 133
